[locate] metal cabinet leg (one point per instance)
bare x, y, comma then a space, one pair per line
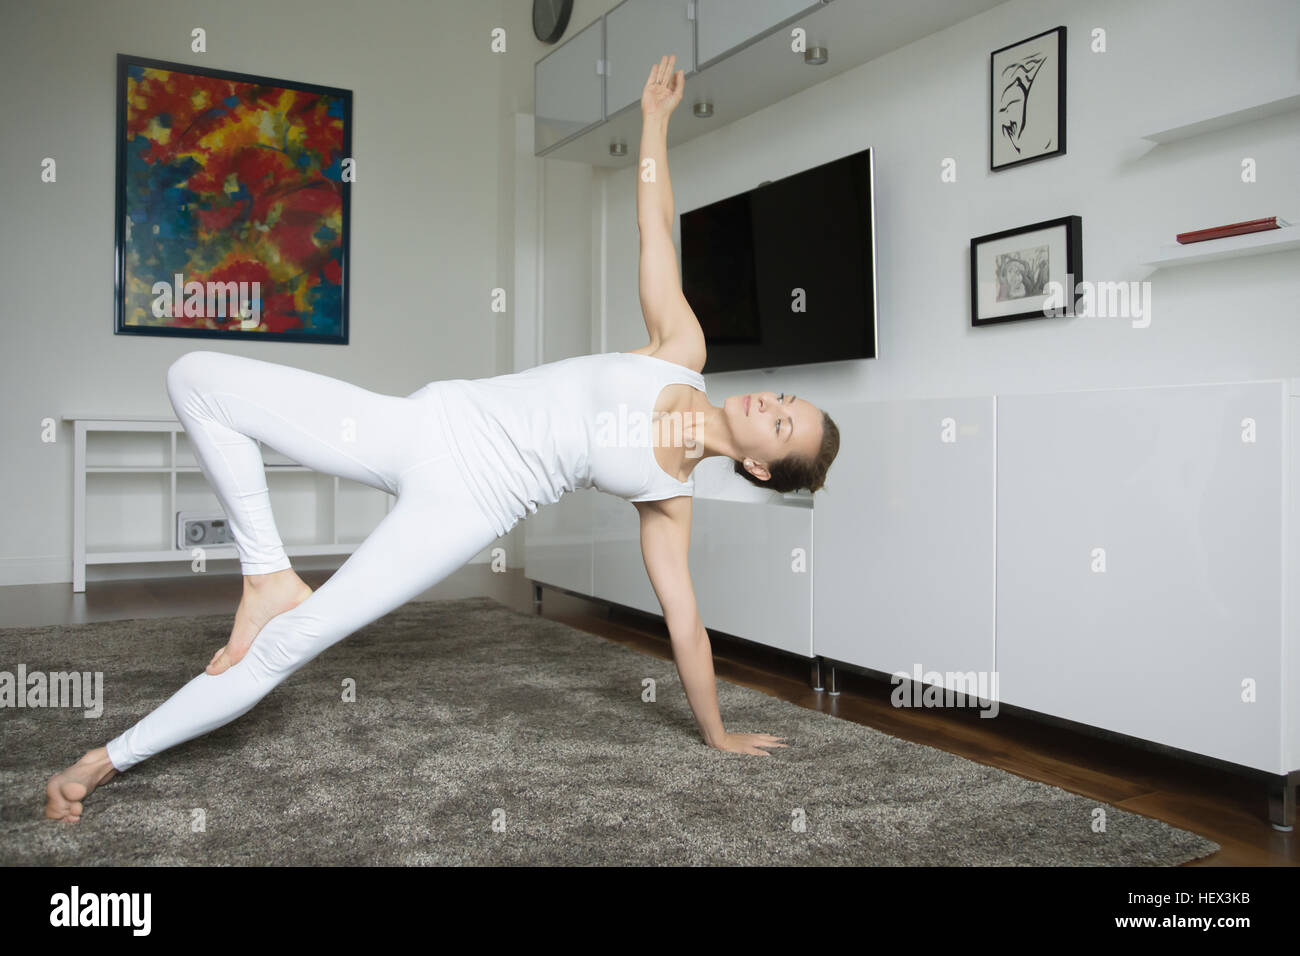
817, 674
1281, 801
537, 598
835, 684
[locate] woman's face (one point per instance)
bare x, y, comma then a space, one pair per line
1016, 278
767, 426
1013, 279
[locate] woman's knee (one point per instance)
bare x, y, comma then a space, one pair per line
186, 373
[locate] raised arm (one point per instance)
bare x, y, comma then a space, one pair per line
667, 314
665, 545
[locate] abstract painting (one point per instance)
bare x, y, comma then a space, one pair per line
1030, 272
233, 205
1027, 100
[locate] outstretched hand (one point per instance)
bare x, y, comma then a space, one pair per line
750, 743
663, 90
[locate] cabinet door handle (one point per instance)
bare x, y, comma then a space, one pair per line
602, 68
690, 9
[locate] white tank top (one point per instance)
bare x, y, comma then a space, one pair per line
525, 438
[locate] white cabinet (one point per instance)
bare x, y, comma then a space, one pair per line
1139, 563
569, 90
637, 34
1126, 559
558, 542
1291, 603
904, 537
723, 25
751, 567
618, 570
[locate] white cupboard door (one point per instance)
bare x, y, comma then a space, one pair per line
904, 534
1291, 603
637, 34
568, 88
723, 25
619, 573
558, 542
1139, 563
751, 566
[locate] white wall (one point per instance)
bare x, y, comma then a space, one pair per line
1166, 59
559, 234
428, 97
545, 245
436, 219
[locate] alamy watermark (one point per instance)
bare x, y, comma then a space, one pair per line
631, 428
208, 300
947, 689
76, 689
129, 910
1100, 300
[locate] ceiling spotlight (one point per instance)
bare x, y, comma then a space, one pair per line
703, 110
815, 55
618, 148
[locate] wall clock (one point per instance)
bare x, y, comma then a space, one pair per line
551, 19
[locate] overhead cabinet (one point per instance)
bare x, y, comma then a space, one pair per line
637, 34
723, 26
737, 56
570, 93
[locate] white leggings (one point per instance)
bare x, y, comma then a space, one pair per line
394, 444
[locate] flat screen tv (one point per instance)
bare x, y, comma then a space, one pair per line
785, 274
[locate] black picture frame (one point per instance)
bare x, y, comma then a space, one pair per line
1071, 243
1015, 87
339, 334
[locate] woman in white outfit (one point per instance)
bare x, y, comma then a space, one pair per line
466, 460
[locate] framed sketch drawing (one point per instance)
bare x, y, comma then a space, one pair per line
1030, 272
1027, 100
233, 205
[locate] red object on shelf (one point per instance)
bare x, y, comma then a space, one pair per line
1233, 229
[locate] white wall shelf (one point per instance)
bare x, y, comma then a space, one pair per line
1246, 111
132, 474
1231, 247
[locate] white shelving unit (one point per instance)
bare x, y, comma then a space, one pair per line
133, 474
1248, 110
1201, 123
1231, 247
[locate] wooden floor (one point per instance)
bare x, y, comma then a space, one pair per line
1228, 809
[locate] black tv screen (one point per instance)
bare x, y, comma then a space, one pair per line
785, 274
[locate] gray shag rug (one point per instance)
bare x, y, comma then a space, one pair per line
483, 735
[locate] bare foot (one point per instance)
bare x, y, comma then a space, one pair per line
66, 791
265, 596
